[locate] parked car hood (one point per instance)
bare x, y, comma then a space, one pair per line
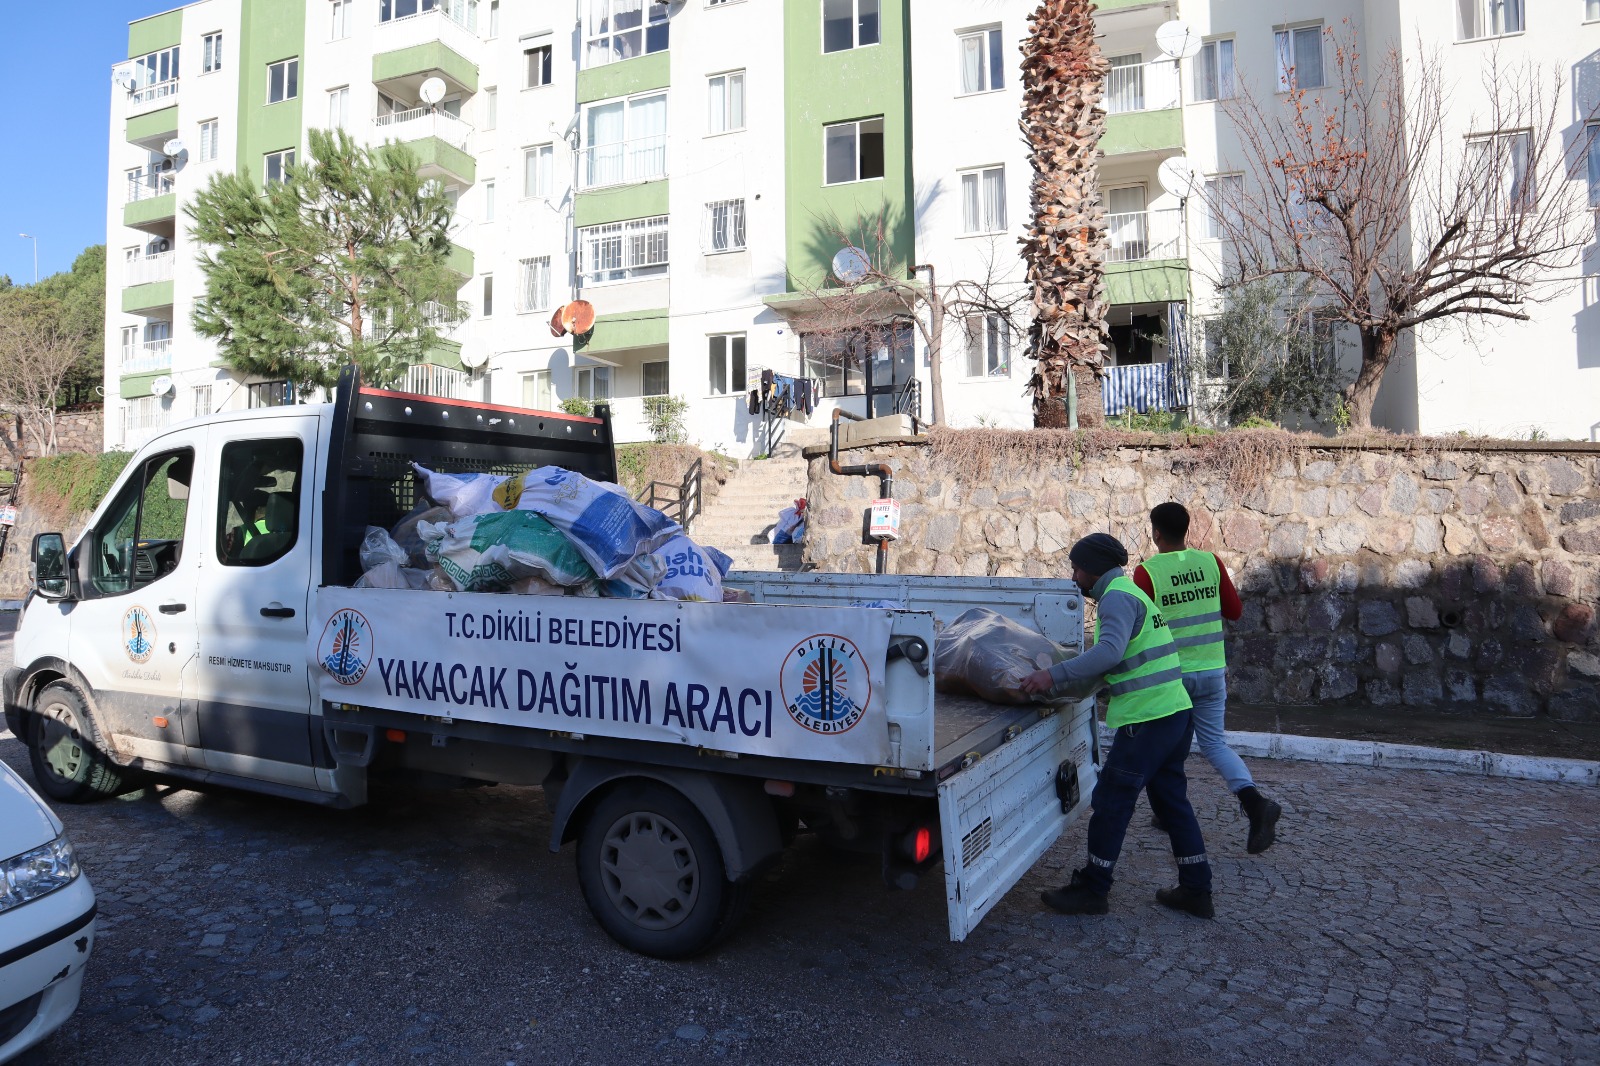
25, 822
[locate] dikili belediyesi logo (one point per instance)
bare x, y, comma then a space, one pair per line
346, 646
138, 634
825, 684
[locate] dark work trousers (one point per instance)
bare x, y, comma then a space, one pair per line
1147, 756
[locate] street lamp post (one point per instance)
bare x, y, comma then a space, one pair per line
35, 240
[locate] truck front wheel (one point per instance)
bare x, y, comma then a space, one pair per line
652, 873
65, 748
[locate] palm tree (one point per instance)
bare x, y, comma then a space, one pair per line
1063, 79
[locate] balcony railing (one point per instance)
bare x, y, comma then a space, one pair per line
1142, 87
463, 13
1136, 235
147, 184
149, 268
147, 358
422, 122
424, 379
639, 159
145, 95
453, 23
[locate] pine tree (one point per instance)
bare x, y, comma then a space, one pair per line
344, 261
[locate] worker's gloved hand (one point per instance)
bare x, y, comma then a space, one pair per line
1037, 683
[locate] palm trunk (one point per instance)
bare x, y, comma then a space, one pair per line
1063, 76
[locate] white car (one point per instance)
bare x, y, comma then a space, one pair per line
47, 919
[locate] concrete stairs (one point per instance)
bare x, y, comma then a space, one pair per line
740, 520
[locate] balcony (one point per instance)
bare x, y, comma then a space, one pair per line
426, 379
623, 162
148, 269
422, 122
151, 357
1142, 87
1144, 235
149, 184
426, 39
149, 97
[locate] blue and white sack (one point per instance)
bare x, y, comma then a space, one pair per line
607, 526
690, 571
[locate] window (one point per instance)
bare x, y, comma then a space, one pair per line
339, 108
536, 392
139, 539
537, 61
1213, 70
202, 400
1477, 19
1223, 195
983, 200
724, 226
538, 171
623, 250
625, 140
130, 334
592, 382
533, 284
852, 151
726, 364
1591, 10
1592, 157
491, 108
837, 360
156, 75
488, 200
210, 53
623, 29
278, 164
268, 394
494, 19
727, 102
983, 61
656, 380
1299, 57
258, 501
340, 28
487, 306
988, 340
283, 80
1496, 168
208, 140
849, 24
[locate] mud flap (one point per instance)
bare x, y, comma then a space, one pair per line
998, 816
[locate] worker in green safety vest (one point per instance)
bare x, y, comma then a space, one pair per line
1192, 591
1149, 710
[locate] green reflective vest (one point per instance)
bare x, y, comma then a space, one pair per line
1148, 682
250, 532
1188, 594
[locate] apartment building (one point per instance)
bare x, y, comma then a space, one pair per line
690, 168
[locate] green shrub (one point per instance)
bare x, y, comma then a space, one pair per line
664, 415
578, 405
66, 485
1256, 422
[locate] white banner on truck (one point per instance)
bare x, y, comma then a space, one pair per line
796, 682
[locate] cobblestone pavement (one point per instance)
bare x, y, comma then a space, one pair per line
1403, 917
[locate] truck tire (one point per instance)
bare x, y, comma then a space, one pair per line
66, 749
652, 873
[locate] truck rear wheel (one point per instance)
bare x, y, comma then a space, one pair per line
652, 873
66, 750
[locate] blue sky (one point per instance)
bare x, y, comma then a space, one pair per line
55, 186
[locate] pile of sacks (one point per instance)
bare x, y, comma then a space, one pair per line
549, 532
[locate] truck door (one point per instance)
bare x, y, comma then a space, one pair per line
133, 633
252, 693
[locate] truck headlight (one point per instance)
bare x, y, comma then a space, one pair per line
37, 873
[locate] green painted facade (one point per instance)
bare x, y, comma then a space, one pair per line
155, 33
137, 299
599, 206
824, 88
155, 209
1143, 131
445, 156
461, 260
269, 30
1122, 5
1148, 281
446, 354
625, 78
423, 59
163, 123
628, 329
134, 386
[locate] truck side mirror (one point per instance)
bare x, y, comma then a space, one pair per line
47, 566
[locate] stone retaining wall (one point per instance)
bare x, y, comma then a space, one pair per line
80, 430
1457, 580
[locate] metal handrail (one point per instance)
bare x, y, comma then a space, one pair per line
683, 502
636, 159
908, 401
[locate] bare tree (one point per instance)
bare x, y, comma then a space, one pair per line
1395, 222
39, 348
1063, 83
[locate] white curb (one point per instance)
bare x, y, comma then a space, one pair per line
1407, 757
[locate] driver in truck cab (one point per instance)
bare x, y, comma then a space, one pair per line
1149, 710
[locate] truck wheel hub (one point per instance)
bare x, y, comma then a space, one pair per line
650, 871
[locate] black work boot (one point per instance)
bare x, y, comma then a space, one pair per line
1188, 900
1263, 814
1075, 897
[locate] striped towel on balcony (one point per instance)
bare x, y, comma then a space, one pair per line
1141, 387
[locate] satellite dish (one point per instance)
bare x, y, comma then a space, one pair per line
162, 386
850, 265
1177, 39
432, 90
557, 327
1177, 177
173, 147
123, 77
473, 359
578, 317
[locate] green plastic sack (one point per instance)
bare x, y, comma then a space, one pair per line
491, 552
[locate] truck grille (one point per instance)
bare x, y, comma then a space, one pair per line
977, 841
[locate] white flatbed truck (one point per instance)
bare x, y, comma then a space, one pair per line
680, 745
